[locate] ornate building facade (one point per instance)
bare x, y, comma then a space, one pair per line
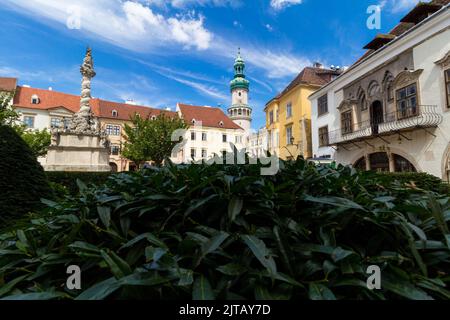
390, 111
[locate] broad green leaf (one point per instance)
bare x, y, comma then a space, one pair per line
100, 290
105, 215
35, 296
403, 288
335, 201
202, 289
259, 249
212, 244
118, 266
235, 207
318, 291
340, 254
232, 269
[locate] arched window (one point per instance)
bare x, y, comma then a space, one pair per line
240, 112
193, 121
403, 165
113, 166
153, 117
360, 164
221, 123
114, 113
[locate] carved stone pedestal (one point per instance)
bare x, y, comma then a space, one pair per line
79, 153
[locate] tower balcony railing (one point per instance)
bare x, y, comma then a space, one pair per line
406, 119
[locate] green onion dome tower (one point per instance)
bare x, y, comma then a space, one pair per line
240, 111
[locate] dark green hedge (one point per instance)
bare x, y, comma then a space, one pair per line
226, 232
66, 182
420, 180
22, 179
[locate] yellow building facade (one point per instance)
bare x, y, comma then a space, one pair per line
288, 115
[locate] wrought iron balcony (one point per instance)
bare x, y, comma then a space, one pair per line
424, 116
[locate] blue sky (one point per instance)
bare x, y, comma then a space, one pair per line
160, 52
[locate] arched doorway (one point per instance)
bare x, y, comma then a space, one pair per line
376, 116
113, 166
132, 167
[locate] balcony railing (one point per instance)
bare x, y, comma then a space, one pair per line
424, 116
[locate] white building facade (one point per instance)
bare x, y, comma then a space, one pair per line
391, 110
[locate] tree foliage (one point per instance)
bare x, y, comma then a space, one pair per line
225, 232
150, 139
37, 140
8, 116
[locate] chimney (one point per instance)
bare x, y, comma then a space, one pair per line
318, 65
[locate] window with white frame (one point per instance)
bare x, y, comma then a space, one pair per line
289, 135
55, 122
112, 130
35, 99
193, 153
289, 110
28, 121
193, 136
115, 150
204, 153
204, 136
224, 138
323, 136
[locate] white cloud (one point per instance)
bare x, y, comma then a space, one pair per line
202, 88
269, 27
281, 4
397, 6
128, 24
216, 3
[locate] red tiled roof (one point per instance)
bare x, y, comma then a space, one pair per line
310, 76
47, 99
209, 116
126, 111
8, 84
101, 108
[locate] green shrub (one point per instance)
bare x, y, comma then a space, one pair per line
225, 232
68, 180
420, 180
22, 181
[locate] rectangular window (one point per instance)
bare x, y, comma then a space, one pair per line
407, 102
204, 136
112, 130
28, 121
277, 115
55, 122
447, 86
204, 153
322, 104
288, 110
224, 138
115, 150
238, 139
289, 135
193, 154
323, 137
192, 136
270, 117
346, 122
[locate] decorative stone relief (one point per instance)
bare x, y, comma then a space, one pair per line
445, 61
407, 77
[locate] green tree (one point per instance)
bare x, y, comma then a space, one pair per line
37, 140
8, 116
150, 139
